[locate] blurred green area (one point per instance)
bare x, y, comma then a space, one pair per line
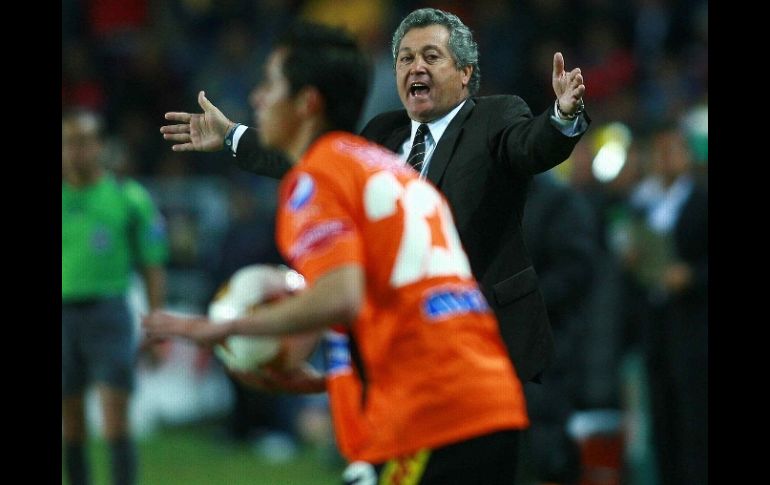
195, 455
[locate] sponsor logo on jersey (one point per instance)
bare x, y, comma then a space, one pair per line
302, 191
317, 236
449, 302
101, 240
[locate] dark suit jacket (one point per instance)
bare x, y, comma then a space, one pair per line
483, 164
691, 243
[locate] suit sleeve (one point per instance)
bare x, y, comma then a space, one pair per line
255, 158
527, 143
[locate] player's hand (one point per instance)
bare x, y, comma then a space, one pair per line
199, 329
299, 380
568, 86
197, 132
154, 351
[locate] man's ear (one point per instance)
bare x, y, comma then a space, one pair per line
310, 102
465, 78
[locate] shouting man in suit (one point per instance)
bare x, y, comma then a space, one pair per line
481, 152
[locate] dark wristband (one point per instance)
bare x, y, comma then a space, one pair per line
229, 136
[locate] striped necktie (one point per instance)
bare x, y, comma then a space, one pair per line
417, 154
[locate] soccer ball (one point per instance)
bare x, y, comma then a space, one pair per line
246, 289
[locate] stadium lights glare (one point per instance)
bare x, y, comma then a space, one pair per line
611, 144
608, 162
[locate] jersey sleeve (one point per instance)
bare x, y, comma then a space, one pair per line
318, 229
148, 227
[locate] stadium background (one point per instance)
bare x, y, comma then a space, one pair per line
133, 60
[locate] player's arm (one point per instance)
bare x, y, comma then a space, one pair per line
336, 297
154, 277
155, 285
289, 371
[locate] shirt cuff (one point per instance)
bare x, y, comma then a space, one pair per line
569, 128
239, 131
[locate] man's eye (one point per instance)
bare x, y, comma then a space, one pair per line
405, 59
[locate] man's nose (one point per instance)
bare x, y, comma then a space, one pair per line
419, 64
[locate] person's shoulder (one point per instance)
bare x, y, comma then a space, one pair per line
386, 121
331, 147
342, 152
500, 109
496, 101
131, 186
133, 190
330, 154
395, 115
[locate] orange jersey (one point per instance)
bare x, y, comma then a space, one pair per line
433, 368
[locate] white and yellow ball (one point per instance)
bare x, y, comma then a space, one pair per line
246, 289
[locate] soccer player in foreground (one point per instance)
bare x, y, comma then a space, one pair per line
420, 385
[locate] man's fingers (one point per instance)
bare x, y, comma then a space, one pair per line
178, 116
171, 129
577, 80
558, 65
183, 137
184, 147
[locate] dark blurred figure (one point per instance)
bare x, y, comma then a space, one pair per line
669, 258
560, 230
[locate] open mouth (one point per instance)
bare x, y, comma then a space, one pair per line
418, 89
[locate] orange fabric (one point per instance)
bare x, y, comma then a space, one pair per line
435, 368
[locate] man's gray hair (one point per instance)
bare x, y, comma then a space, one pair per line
463, 48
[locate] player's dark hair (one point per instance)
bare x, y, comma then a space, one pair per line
329, 59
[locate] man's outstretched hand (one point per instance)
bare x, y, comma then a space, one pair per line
197, 132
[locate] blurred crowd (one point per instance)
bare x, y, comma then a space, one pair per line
645, 65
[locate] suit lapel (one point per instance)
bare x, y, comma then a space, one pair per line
396, 138
446, 146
